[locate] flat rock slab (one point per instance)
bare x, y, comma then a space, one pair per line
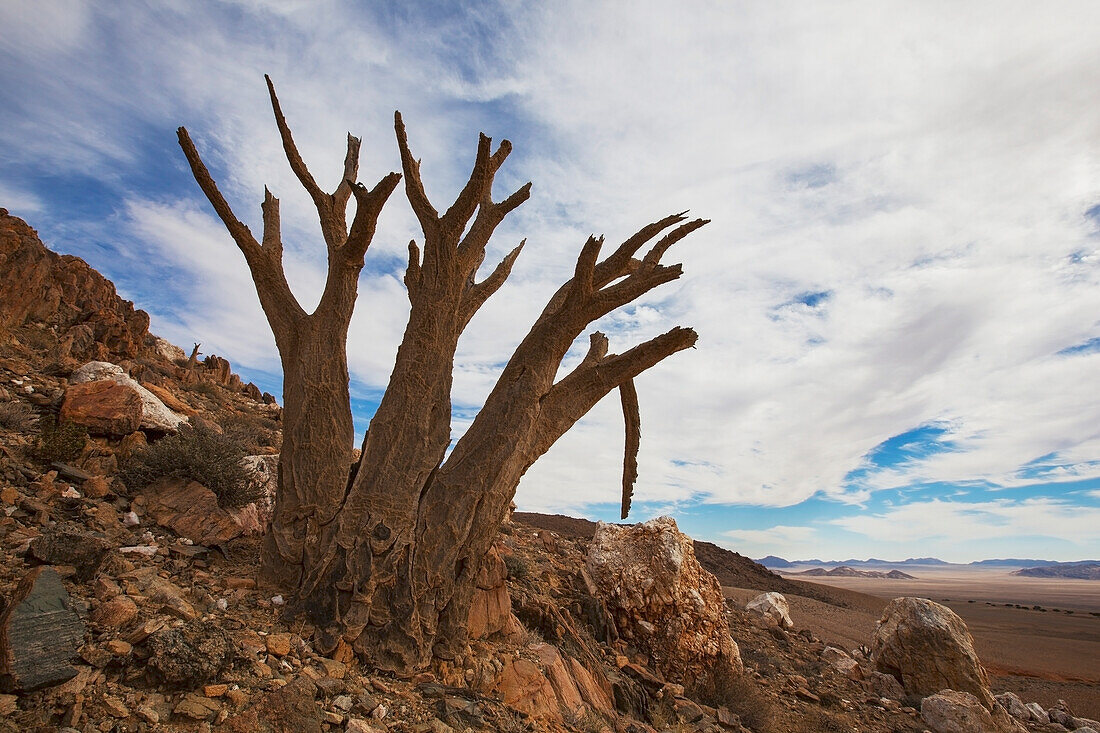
190, 510
39, 633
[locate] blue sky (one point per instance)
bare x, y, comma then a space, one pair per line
898, 299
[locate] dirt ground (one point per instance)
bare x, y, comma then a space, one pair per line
1037, 637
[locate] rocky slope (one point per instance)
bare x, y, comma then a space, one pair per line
134, 608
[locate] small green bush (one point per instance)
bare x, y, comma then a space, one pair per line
742, 695
59, 440
517, 567
200, 454
17, 416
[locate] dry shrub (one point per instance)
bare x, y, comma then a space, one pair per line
200, 454
17, 416
742, 695
251, 430
59, 441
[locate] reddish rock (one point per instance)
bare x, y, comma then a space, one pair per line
491, 607
104, 407
170, 400
522, 686
115, 613
190, 510
928, 648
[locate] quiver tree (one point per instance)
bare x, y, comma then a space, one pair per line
387, 559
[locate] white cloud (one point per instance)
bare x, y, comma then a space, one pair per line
931, 176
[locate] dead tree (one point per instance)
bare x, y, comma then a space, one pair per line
388, 561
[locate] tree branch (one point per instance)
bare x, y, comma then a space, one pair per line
633, 419
481, 178
482, 291
292, 155
617, 263
414, 186
240, 233
368, 205
351, 172
264, 262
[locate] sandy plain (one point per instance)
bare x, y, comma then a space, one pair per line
1038, 637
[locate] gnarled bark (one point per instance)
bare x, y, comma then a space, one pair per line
388, 560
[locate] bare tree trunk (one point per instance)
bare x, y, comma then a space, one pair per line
387, 561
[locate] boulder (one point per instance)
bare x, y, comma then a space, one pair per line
190, 655
40, 633
154, 414
950, 711
842, 663
68, 543
190, 510
491, 607
773, 606
1014, 706
522, 686
104, 408
662, 600
927, 648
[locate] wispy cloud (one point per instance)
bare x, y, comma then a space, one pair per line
901, 233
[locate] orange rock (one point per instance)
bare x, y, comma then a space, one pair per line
96, 487
116, 612
190, 510
170, 400
278, 644
104, 407
523, 687
561, 679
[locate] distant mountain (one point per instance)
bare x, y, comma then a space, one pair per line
1012, 562
845, 571
1075, 570
771, 561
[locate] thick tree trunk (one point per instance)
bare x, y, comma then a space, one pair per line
387, 559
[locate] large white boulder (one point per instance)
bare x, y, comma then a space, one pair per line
662, 600
774, 606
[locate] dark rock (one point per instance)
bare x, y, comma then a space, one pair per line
69, 543
70, 473
190, 655
40, 633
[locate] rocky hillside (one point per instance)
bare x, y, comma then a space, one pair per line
130, 518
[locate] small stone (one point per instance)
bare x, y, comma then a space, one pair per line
215, 690
237, 697
358, 725
196, 707
119, 648
234, 583
148, 714
221, 604
116, 612
277, 601
115, 707
8, 704
96, 487
333, 668
332, 717
130, 519
343, 703
278, 644
9, 495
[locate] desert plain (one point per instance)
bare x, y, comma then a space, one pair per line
1037, 637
